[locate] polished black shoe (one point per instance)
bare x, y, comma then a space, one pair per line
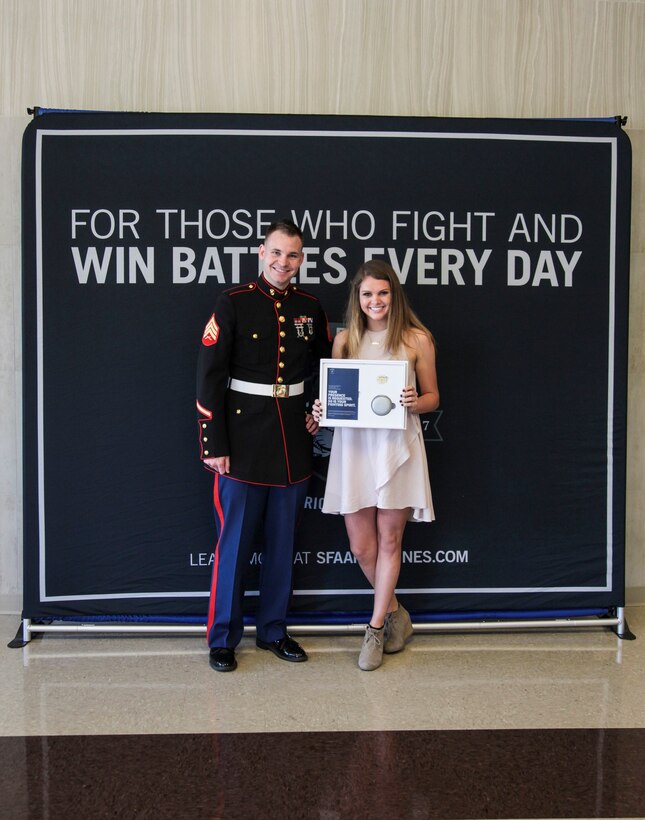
222, 659
285, 648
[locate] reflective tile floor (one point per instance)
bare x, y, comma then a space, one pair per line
459, 725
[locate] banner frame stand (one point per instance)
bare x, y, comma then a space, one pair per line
616, 621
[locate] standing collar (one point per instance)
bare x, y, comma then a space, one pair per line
271, 290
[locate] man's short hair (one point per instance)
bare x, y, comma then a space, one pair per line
284, 226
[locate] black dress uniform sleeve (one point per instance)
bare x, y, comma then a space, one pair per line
213, 370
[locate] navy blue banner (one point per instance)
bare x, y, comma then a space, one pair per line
511, 238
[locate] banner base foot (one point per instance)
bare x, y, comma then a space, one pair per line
21, 639
621, 628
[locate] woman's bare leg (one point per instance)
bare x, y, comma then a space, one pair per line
390, 527
375, 540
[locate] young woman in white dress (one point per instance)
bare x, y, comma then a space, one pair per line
378, 478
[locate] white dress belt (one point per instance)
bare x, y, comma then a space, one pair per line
277, 391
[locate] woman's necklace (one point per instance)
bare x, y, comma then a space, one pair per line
379, 340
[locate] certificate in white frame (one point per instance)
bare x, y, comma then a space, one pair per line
363, 393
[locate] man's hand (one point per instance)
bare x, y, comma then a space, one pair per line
311, 424
221, 464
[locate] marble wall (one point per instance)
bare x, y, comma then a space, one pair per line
466, 58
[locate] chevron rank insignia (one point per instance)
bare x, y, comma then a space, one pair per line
211, 332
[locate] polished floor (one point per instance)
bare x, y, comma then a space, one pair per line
538, 724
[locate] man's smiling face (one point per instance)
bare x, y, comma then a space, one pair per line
282, 256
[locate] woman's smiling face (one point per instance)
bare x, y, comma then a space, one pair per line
375, 298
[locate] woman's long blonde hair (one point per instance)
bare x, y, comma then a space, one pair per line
401, 317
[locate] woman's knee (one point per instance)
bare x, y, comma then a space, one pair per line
389, 544
391, 525
390, 539
363, 549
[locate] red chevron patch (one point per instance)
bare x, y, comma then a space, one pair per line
211, 332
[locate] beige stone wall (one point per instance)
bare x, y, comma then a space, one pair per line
465, 58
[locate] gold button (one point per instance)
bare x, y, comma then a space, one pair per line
280, 379
282, 334
306, 338
281, 319
255, 335
282, 348
238, 411
205, 438
280, 364
251, 285
205, 452
278, 304
204, 426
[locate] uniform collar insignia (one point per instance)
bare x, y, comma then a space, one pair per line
271, 290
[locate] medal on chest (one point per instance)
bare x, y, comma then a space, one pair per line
303, 324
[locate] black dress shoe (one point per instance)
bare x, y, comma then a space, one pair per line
222, 659
285, 648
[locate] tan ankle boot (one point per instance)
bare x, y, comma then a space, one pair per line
371, 656
398, 630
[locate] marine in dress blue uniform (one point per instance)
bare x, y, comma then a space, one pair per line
262, 342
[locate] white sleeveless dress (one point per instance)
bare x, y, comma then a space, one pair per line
379, 468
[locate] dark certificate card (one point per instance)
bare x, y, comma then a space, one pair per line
342, 393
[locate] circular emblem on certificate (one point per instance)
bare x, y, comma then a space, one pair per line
381, 405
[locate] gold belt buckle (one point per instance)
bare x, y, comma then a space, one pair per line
280, 391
